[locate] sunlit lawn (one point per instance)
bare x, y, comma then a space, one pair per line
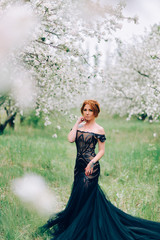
130, 169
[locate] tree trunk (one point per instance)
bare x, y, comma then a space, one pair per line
22, 118
10, 116
12, 122
9, 119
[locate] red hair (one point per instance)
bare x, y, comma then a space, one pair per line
94, 106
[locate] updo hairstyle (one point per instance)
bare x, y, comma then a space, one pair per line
94, 106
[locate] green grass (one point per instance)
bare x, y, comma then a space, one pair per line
130, 170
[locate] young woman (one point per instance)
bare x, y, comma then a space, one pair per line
89, 215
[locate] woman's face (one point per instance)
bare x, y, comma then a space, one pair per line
88, 113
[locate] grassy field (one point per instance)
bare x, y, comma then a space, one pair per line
130, 170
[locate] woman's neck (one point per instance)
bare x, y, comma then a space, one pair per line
90, 123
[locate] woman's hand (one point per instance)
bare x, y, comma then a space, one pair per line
89, 168
80, 119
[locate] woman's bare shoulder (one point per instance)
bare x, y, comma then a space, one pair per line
100, 129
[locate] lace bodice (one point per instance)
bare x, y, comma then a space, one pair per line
86, 143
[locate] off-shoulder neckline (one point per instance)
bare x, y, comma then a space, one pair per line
90, 132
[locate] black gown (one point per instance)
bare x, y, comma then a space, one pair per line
89, 215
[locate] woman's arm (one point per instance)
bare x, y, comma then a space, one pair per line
72, 133
101, 151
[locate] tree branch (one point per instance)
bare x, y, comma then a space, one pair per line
50, 44
142, 74
120, 90
155, 89
2, 99
57, 35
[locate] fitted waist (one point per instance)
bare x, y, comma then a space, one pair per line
86, 155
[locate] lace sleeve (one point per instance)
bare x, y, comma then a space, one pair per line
101, 137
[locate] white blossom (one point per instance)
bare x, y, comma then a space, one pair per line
54, 135
32, 189
154, 135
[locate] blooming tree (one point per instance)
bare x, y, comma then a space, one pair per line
58, 59
54, 60
133, 80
